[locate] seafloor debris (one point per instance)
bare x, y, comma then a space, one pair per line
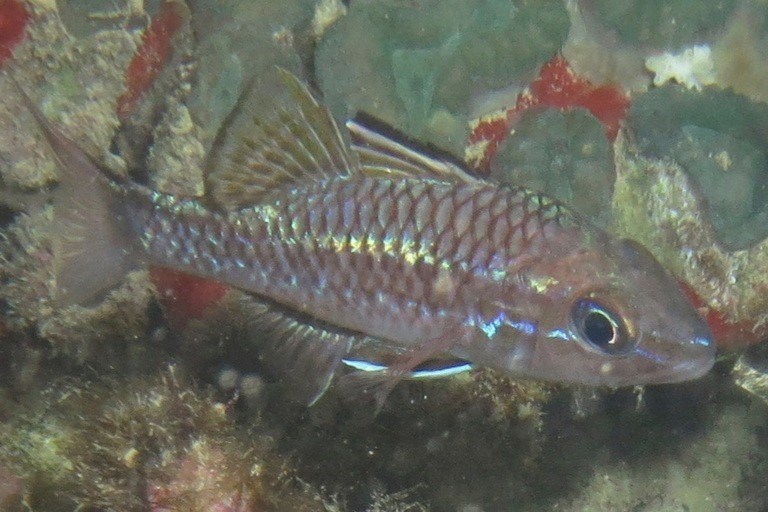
750, 372
692, 67
751, 380
713, 483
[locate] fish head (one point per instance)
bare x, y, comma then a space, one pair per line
616, 318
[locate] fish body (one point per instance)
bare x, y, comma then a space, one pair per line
404, 259
379, 245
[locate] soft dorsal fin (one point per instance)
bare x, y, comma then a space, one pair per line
299, 143
383, 155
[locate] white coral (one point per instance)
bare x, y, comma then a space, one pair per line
693, 67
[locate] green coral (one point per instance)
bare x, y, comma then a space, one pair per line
564, 154
718, 138
406, 63
669, 24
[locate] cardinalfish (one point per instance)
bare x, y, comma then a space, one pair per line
362, 250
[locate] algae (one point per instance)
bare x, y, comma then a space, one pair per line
663, 25
405, 63
564, 154
718, 138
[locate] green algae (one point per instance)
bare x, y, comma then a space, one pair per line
718, 138
239, 46
564, 154
407, 63
416, 73
663, 25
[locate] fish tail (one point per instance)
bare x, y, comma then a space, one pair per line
91, 250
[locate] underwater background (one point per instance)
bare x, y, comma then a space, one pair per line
649, 118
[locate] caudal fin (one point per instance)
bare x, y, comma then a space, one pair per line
91, 252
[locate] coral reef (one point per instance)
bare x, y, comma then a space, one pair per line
556, 87
151, 56
144, 444
667, 25
716, 137
564, 154
93, 418
428, 58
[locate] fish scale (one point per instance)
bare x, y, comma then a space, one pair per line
415, 254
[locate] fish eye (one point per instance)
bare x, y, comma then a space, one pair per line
601, 327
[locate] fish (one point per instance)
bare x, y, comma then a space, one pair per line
362, 250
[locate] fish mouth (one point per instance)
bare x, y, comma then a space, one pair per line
691, 370
694, 366
691, 360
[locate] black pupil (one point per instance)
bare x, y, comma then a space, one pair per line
599, 329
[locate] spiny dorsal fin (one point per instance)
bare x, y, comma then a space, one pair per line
299, 143
382, 155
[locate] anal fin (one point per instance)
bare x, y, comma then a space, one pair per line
433, 369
